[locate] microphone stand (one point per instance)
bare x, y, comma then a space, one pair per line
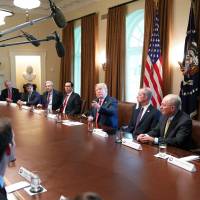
28, 42
19, 36
21, 26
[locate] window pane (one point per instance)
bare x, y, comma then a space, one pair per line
134, 46
77, 59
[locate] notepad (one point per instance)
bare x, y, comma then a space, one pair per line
17, 186
71, 123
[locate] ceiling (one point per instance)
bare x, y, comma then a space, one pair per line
65, 5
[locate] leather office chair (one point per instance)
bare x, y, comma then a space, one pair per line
196, 136
124, 112
83, 106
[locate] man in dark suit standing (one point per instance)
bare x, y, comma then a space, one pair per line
145, 117
51, 99
9, 94
71, 103
174, 127
104, 108
30, 97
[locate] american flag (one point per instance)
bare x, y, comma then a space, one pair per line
153, 75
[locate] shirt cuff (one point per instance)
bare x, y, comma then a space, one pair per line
156, 140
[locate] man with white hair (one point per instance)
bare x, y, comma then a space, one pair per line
9, 94
145, 117
51, 98
104, 108
174, 127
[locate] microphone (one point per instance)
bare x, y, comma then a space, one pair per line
57, 15
31, 38
59, 46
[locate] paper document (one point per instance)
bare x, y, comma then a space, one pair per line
71, 123
17, 186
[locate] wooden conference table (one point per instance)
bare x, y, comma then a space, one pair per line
71, 160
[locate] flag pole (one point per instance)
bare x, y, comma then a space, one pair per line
156, 3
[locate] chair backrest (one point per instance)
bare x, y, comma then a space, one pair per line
83, 105
196, 133
124, 112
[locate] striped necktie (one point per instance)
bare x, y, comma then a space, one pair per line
139, 117
167, 126
10, 93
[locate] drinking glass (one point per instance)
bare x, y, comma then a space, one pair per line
90, 126
162, 149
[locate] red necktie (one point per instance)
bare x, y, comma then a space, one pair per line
9, 94
97, 113
65, 103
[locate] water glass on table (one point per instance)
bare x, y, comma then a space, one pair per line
162, 149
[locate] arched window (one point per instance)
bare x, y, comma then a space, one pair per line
77, 59
134, 46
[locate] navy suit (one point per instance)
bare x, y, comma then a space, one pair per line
56, 99
33, 100
73, 104
148, 121
179, 132
108, 112
15, 95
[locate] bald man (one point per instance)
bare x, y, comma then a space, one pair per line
174, 127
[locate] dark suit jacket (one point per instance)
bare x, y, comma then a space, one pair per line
33, 100
179, 131
15, 95
108, 112
56, 99
73, 104
148, 121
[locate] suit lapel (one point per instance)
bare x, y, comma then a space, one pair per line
162, 127
145, 115
172, 123
70, 98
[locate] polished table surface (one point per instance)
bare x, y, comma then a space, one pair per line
71, 160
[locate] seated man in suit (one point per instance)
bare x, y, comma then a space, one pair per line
71, 103
6, 139
174, 127
145, 117
9, 94
51, 99
29, 98
104, 108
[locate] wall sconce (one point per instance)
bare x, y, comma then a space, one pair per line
104, 66
102, 59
